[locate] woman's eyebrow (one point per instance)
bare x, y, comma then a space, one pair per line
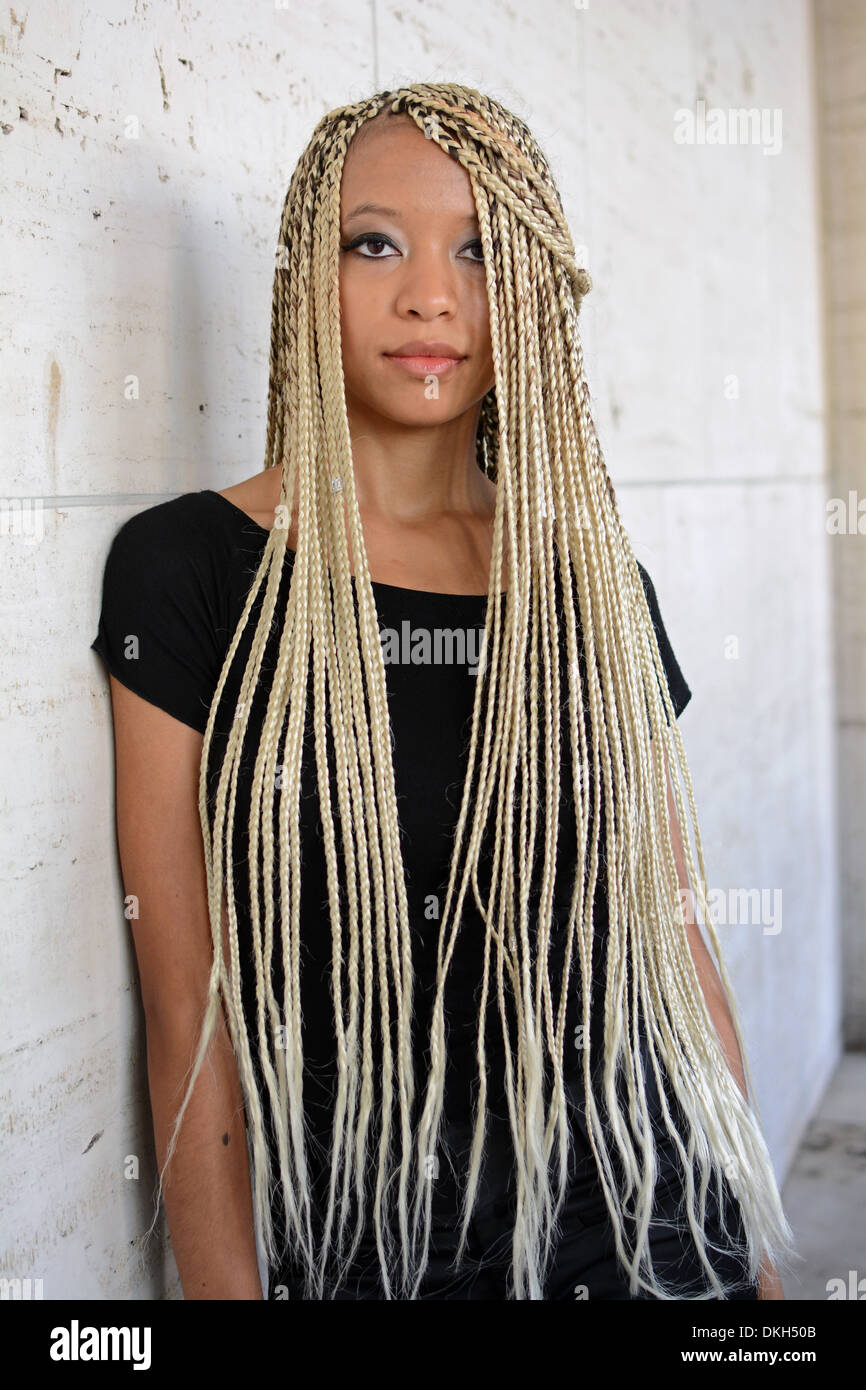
365, 208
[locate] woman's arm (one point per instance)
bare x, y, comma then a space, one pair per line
770, 1284
207, 1186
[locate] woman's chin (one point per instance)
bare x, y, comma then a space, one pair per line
419, 413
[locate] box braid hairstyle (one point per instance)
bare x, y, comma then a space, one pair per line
536, 440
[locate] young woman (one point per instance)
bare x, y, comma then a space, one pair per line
394, 722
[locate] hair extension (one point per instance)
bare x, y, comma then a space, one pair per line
557, 508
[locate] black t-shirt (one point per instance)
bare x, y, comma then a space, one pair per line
177, 576
175, 583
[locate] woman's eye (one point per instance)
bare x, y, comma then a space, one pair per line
381, 242
368, 241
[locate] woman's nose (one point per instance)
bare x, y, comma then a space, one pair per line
428, 285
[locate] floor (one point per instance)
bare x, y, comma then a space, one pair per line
825, 1192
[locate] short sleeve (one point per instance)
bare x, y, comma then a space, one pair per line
679, 690
157, 630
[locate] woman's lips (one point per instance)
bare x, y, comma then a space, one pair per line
423, 366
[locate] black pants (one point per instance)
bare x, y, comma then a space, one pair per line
585, 1265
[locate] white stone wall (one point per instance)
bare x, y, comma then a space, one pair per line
147, 154
841, 41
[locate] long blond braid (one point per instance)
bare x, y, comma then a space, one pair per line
557, 507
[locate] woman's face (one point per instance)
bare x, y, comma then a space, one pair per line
413, 273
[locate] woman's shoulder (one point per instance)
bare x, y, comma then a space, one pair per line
182, 563
194, 535
180, 522
680, 690
170, 593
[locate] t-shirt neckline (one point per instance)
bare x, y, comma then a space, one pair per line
375, 583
